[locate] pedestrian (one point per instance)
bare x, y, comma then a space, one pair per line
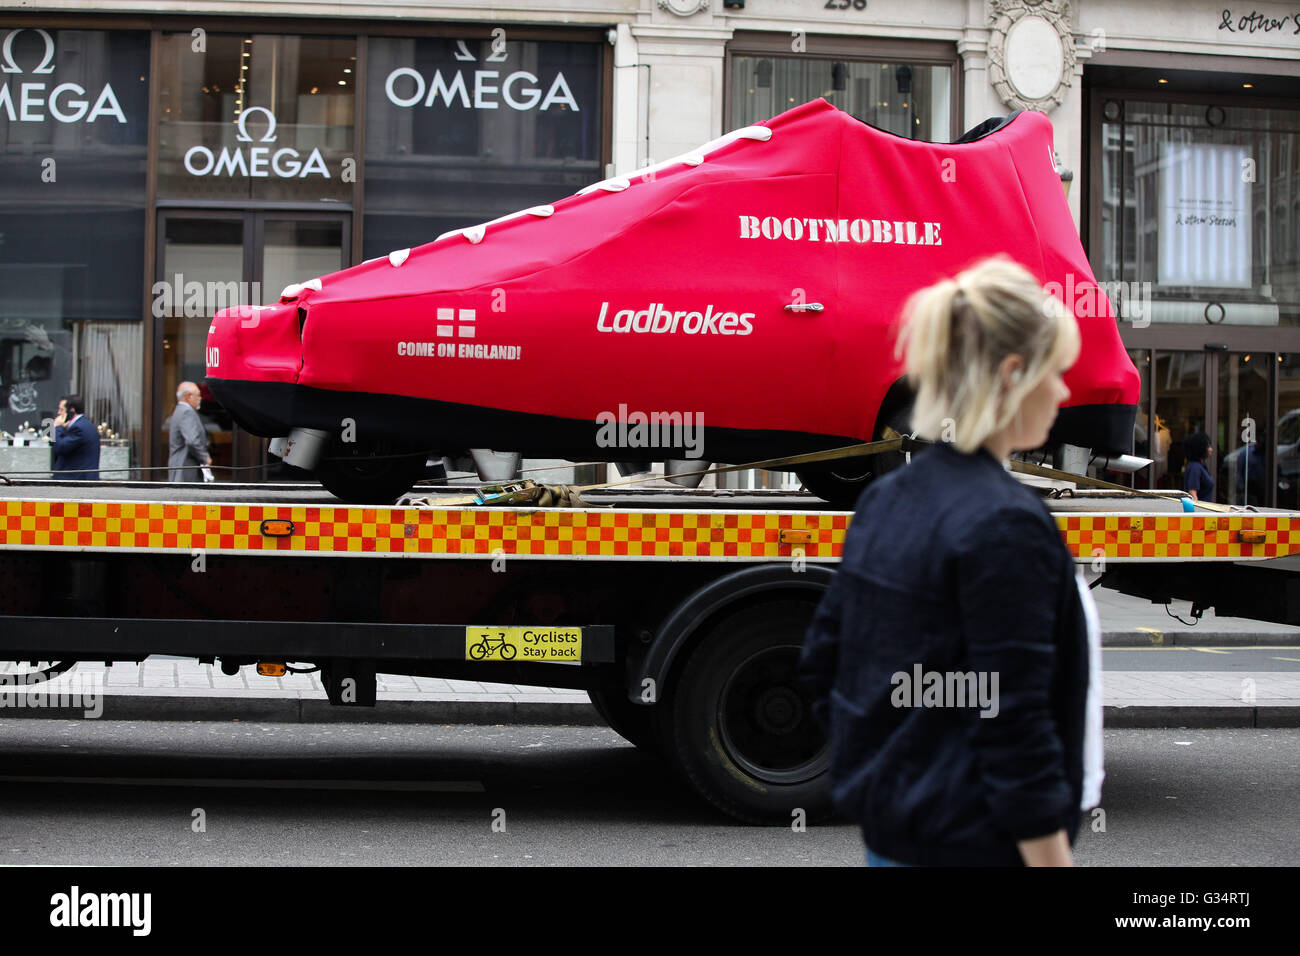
955, 658
76, 442
1250, 473
1196, 476
188, 439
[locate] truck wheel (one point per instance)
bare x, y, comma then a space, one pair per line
842, 483
633, 722
369, 473
740, 725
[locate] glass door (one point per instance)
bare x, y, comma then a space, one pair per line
208, 261
202, 268
1178, 381
1244, 428
1288, 431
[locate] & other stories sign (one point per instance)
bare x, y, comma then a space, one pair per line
1259, 24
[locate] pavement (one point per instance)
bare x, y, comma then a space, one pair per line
182, 689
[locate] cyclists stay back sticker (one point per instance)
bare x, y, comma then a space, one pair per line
523, 643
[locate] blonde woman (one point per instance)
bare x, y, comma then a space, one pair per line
955, 659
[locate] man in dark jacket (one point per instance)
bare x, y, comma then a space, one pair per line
76, 442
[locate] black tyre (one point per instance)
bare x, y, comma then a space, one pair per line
740, 724
369, 473
635, 723
842, 483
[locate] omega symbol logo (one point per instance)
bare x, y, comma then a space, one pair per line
7, 64
242, 124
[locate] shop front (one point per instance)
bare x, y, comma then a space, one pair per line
1193, 200
154, 169
152, 173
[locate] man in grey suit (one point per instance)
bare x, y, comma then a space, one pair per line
188, 448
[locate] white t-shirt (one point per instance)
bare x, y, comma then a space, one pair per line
1093, 770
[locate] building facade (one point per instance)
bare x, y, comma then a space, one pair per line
161, 161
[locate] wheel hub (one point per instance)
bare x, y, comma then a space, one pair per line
779, 710
765, 719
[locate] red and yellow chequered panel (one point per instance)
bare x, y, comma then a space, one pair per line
433, 532
1179, 536
109, 526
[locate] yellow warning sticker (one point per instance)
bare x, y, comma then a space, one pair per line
523, 643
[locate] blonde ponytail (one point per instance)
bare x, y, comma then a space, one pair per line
957, 332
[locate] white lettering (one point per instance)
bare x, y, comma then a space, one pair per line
79, 106
481, 88
106, 105
202, 151
439, 88
560, 93
658, 318
902, 232
390, 86
290, 168
230, 160
30, 100
532, 93
315, 164
257, 162
519, 90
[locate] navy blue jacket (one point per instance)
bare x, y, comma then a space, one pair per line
952, 564
76, 451
1196, 477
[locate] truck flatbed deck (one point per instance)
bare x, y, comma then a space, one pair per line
681, 612
672, 524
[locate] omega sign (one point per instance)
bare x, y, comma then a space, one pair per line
259, 161
27, 102
519, 90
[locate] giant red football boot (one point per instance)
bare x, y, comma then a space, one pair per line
754, 285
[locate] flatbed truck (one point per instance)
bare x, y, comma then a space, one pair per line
681, 612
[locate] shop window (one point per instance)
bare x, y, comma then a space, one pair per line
1288, 431
1150, 438
1195, 199
1179, 381
256, 117
909, 99
74, 113
463, 131
1244, 428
